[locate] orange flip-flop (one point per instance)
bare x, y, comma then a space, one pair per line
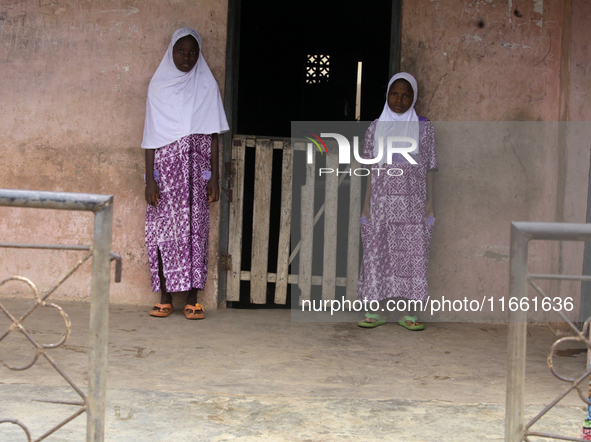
161, 310
194, 311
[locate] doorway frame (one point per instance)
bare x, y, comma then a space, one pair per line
231, 106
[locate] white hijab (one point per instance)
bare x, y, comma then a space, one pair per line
182, 103
407, 124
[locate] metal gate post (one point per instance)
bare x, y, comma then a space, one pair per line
516, 338
99, 322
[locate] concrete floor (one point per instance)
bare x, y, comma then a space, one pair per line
253, 375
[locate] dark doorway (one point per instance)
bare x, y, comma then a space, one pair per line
299, 61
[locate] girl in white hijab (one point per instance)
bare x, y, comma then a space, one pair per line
398, 214
184, 116
398, 120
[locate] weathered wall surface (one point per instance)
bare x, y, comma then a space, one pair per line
485, 60
74, 78
577, 137
496, 60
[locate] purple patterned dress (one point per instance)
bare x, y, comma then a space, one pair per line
396, 241
179, 226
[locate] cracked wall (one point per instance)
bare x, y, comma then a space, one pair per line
492, 60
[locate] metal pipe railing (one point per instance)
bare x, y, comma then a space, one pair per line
102, 207
521, 234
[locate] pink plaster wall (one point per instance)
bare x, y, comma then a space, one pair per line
508, 69
577, 137
493, 60
74, 78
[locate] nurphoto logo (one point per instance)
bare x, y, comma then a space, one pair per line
392, 147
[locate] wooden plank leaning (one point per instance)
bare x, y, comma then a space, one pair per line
235, 222
354, 232
329, 267
260, 221
307, 232
284, 226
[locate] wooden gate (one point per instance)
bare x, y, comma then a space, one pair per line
258, 274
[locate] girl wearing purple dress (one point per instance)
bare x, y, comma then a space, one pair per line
398, 213
184, 116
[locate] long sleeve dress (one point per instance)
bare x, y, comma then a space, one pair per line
396, 241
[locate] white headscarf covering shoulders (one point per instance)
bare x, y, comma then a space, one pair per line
407, 123
182, 103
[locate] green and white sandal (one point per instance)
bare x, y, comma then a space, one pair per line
404, 322
377, 321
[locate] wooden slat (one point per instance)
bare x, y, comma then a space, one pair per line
235, 223
284, 227
354, 232
293, 279
296, 249
329, 267
307, 232
278, 142
299, 145
260, 221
